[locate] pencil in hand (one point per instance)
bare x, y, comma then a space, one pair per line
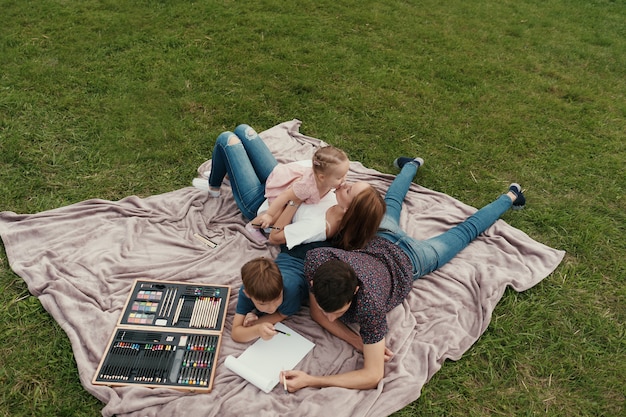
284, 381
268, 227
280, 331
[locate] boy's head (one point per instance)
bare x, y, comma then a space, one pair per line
334, 286
263, 283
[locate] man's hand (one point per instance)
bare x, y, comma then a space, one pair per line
388, 354
296, 380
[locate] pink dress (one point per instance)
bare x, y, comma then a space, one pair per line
296, 175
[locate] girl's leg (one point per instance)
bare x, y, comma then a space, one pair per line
259, 154
449, 244
229, 156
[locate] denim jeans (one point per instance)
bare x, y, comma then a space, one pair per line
431, 254
248, 164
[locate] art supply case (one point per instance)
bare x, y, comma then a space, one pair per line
169, 335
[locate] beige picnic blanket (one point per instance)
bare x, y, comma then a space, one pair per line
81, 260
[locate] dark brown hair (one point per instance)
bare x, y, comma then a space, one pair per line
360, 222
262, 279
334, 285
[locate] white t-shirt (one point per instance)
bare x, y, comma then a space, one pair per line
309, 222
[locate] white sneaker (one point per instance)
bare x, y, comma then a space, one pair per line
201, 184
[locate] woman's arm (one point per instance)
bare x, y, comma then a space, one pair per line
277, 235
276, 208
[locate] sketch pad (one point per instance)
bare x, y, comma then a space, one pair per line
262, 362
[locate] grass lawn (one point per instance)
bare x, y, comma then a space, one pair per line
106, 99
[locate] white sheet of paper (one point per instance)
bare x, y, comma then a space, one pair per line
262, 362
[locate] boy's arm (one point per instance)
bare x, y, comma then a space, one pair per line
263, 327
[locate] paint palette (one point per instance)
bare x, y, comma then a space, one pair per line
168, 335
177, 305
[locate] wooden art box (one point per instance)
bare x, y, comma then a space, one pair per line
169, 335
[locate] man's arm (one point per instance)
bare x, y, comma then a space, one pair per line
336, 327
367, 377
263, 327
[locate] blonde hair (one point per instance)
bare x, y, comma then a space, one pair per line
326, 158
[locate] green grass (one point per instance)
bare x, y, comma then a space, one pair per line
114, 98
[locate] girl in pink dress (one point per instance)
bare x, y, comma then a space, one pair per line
292, 184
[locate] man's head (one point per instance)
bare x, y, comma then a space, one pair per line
334, 286
263, 283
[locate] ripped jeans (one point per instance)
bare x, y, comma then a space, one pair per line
248, 162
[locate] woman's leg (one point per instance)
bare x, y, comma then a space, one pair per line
219, 161
260, 155
450, 243
429, 255
398, 189
229, 156
396, 193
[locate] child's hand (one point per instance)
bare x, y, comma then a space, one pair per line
250, 319
262, 221
266, 331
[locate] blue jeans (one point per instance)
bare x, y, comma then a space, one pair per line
431, 254
248, 163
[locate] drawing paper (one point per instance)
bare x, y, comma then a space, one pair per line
262, 362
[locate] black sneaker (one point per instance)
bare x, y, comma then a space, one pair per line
520, 201
403, 160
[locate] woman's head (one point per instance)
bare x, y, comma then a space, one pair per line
365, 208
331, 166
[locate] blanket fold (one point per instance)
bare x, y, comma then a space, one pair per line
81, 261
